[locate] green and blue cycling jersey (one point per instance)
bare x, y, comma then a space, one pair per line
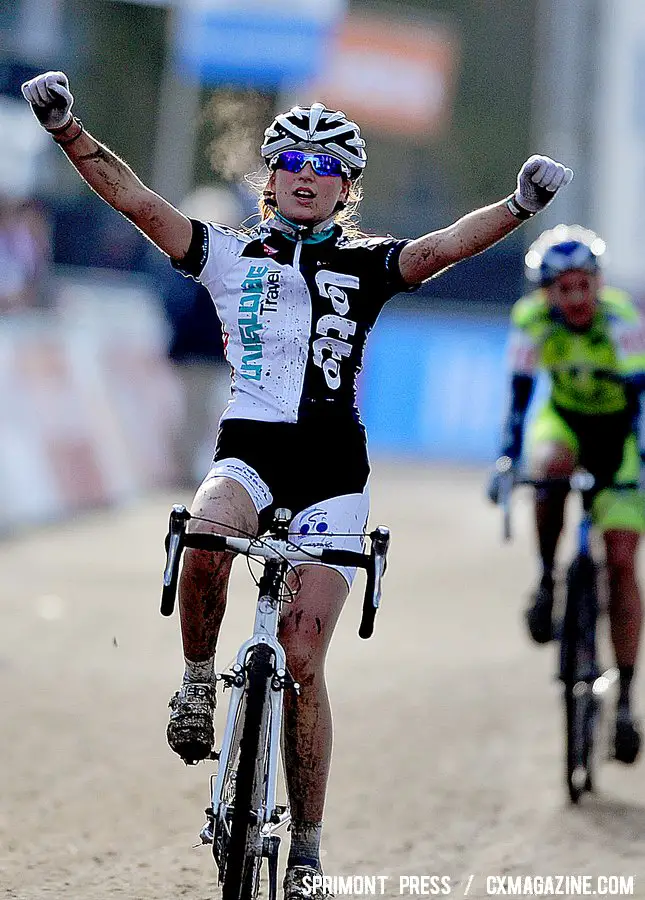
596, 376
592, 372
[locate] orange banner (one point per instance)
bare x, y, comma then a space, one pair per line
391, 75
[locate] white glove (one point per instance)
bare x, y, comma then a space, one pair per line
538, 181
50, 98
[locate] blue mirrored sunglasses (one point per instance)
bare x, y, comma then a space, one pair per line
321, 163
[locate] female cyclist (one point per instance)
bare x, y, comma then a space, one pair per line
296, 299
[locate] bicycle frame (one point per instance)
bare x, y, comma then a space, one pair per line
265, 631
580, 618
584, 533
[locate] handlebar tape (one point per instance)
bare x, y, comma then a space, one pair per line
205, 541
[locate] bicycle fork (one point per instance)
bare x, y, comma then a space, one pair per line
271, 815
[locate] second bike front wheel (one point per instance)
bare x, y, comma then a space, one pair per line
244, 858
580, 719
577, 671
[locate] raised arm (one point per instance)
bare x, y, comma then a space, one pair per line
111, 178
537, 183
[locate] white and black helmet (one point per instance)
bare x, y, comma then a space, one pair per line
317, 128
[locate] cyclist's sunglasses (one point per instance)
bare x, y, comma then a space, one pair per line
321, 163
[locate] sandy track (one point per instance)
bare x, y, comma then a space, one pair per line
447, 754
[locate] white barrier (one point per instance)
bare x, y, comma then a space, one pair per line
87, 403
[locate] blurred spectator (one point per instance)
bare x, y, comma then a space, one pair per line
87, 232
25, 254
196, 347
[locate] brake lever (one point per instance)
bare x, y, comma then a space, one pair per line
380, 546
179, 516
380, 538
504, 466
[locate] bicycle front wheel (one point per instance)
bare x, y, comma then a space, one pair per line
244, 859
578, 669
580, 718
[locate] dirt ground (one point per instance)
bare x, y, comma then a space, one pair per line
447, 757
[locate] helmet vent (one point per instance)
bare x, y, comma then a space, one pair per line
317, 110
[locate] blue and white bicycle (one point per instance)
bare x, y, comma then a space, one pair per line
584, 683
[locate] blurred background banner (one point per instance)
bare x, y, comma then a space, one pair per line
254, 43
87, 402
619, 130
392, 75
20, 148
434, 386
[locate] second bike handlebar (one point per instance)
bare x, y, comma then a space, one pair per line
272, 548
510, 478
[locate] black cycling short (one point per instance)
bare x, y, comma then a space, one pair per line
302, 464
602, 441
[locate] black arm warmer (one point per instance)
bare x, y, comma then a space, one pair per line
522, 387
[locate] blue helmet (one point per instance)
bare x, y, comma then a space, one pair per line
565, 248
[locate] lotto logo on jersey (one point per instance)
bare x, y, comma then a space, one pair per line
328, 352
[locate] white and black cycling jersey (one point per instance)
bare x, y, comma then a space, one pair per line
295, 313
